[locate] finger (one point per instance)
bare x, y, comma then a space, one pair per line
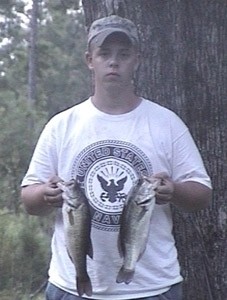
54, 180
57, 204
53, 194
161, 175
161, 202
162, 189
53, 201
163, 198
53, 190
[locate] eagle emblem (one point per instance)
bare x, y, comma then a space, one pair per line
112, 189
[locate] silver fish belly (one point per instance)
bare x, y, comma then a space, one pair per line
77, 227
135, 225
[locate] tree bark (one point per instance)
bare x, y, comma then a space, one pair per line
184, 52
32, 54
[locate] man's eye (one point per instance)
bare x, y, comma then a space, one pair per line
124, 54
104, 53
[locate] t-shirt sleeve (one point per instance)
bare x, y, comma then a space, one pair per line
187, 163
44, 160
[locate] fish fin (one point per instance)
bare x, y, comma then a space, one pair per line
141, 253
125, 276
84, 286
71, 217
120, 246
69, 255
143, 248
90, 249
121, 234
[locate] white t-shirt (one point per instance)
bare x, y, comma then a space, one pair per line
83, 142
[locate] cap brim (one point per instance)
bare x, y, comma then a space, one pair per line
100, 38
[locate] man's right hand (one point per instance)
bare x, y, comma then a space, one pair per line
52, 193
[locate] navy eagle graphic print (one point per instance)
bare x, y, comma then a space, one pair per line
106, 170
112, 189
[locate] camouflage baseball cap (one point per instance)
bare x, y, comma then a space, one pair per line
100, 29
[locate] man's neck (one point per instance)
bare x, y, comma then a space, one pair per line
115, 103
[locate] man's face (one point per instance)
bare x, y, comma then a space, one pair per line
115, 61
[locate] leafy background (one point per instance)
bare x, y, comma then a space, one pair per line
184, 69
62, 80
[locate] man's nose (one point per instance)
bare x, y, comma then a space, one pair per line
113, 61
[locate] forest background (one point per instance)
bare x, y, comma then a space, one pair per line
42, 72
26, 103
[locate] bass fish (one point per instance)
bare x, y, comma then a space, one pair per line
77, 227
135, 225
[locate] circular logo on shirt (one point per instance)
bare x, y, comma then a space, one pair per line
107, 170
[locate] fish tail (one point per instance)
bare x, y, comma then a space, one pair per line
84, 286
125, 275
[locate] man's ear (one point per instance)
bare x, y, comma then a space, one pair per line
88, 59
137, 62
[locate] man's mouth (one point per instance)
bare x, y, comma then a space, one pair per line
113, 74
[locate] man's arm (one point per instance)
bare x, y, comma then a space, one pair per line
41, 199
189, 196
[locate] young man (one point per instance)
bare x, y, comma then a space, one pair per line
106, 143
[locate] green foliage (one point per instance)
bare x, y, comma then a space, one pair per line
24, 253
63, 5
13, 52
11, 19
17, 139
63, 77
62, 81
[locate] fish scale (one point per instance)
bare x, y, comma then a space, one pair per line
77, 227
135, 226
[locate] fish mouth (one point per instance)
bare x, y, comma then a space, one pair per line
71, 204
145, 201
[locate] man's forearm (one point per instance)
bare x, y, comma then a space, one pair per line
191, 196
41, 199
188, 195
33, 200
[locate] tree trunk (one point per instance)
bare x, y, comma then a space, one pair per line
32, 54
183, 46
